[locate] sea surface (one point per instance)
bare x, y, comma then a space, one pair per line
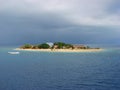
60, 71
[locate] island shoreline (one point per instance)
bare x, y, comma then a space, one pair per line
62, 50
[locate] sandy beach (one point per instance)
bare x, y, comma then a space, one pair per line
62, 50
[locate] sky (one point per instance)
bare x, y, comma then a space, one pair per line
71, 21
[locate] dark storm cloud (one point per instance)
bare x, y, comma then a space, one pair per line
48, 27
35, 21
29, 28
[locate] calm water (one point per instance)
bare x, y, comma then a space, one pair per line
60, 71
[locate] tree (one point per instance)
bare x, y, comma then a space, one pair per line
43, 46
27, 46
61, 45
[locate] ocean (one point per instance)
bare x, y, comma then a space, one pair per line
60, 71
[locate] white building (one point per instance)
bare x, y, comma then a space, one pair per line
50, 44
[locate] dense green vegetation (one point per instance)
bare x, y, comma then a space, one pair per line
56, 45
61, 45
26, 46
43, 46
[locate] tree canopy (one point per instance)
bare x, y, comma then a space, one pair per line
56, 45
43, 46
27, 46
61, 45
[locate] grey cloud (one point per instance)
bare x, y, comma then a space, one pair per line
30, 22
48, 27
81, 12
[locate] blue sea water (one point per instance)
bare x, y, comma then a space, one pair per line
60, 71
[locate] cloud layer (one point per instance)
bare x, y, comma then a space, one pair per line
76, 21
85, 12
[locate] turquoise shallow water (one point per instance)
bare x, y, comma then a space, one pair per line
60, 71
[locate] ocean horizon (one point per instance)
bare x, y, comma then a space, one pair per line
60, 71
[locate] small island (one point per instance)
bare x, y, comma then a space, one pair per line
58, 47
